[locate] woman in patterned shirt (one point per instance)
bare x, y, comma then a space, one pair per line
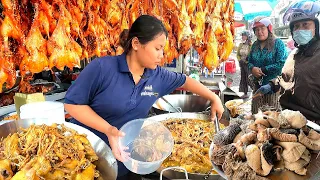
266, 60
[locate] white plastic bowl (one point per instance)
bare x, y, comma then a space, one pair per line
148, 144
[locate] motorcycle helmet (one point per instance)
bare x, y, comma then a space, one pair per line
262, 21
303, 10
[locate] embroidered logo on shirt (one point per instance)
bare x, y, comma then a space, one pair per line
148, 91
148, 88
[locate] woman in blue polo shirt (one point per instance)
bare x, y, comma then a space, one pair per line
113, 90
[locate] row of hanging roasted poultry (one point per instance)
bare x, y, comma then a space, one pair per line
38, 35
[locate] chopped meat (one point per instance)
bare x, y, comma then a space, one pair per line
234, 168
219, 153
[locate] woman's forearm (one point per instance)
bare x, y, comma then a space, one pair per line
198, 88
85, 115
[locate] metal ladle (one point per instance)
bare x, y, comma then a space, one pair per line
214, 167
179, 110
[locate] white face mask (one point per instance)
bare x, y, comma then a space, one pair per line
302, 37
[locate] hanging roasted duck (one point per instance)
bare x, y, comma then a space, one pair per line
211, 59
7, 68
38, 35
62, 49
184, 33
35, 60
228, 36
199, 24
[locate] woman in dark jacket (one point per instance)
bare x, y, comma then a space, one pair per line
242, 55
299, 83
266, 60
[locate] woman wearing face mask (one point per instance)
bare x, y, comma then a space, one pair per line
242, 55
266, 60
114, 90
299, 83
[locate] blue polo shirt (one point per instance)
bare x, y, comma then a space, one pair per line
107, 86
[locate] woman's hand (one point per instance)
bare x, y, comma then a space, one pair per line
216, 108
113, 136
257, 72
198, 88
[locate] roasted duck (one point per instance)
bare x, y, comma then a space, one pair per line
36, 59
38, 35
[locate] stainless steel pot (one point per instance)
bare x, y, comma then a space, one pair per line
187, 103
106, 164
173, 174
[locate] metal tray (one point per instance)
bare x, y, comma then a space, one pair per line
53, 97
177, 174
106, 164
312, 169
7, 115
7, 109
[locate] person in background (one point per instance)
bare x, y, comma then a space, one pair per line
290, 44
266, 59
114, 90
299, 82
242, 55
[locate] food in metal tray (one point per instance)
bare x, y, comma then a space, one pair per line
47, 152
192, 141
233, 106
11, 116
275, 141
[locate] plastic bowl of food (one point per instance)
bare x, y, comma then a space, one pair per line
145, 146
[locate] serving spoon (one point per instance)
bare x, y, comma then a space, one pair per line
214, 166
175, 108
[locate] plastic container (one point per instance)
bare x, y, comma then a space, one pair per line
145, 146
230, 66
53, 111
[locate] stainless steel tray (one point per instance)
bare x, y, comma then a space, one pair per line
7, 109
11, 108
107, 164
177, 174
312, 169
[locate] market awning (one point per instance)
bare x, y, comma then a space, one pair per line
251, 9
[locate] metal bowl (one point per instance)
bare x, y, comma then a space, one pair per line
172, 173
187, 103
106, 164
